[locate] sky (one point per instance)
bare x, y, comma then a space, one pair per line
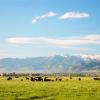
31, 28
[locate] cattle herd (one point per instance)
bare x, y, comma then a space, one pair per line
39, 78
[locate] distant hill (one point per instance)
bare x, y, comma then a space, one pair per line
51, 64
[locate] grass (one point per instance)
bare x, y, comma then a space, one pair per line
65, 90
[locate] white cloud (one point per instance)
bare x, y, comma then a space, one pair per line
49, 14
20, 40
89, 39
34, 21
67, 15
73, 15
93, 37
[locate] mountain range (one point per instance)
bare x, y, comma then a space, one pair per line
57, 63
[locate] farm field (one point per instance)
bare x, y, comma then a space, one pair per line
86, 89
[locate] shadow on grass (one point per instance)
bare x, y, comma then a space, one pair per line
32, 98
38, 97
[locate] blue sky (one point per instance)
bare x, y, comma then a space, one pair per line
30, 28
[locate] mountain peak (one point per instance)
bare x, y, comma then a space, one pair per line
56, 63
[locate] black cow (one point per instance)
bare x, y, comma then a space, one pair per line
36, 79
79, 78
32, 79
27, 78
39, 78
60, 79
56, 79
46, 79
96, 78
9, 78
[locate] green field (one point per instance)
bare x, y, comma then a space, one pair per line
65, 90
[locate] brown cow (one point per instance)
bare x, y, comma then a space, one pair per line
70, 77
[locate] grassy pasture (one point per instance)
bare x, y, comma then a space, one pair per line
72, 89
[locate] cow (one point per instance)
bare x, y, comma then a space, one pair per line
60, 79
79, 78
27, 78
32, 79
96, 78
56, 79
46, 79
70, 77
36, 79
39, 78
9, 78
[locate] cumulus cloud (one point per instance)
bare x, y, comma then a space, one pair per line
49, 14
89, 39
74, 15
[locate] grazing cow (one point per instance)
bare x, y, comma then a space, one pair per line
36, 79
27, 78
39, 78
70, 77
79, 78
9, 78
32, 79
56, 79
95, 78
46, 79
60, 79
